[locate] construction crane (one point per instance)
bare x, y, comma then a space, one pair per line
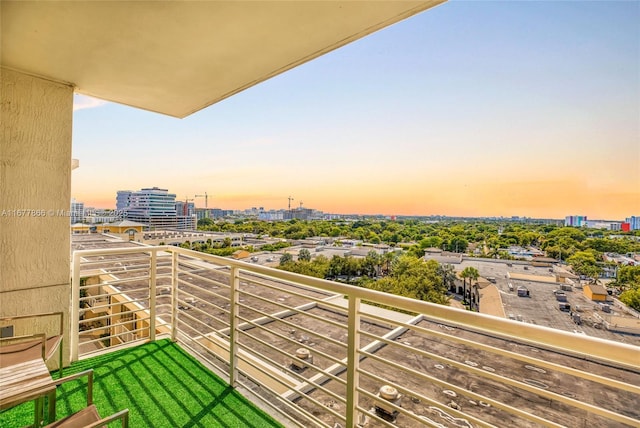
290, 200
206, 199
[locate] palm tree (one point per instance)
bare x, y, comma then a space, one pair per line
387, 259
448, 274
473, 275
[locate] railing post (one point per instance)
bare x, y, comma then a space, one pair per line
74, 320
152, 295
234, 285
174, 295
353, 361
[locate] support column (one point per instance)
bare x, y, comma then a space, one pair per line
35, 192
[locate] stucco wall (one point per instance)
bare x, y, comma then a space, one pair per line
35, 183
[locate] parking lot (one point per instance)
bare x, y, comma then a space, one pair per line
542, 307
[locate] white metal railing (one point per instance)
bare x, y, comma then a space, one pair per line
321, 350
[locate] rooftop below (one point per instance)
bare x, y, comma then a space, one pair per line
252, 322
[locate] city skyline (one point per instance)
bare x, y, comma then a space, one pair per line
469, 109
294, 207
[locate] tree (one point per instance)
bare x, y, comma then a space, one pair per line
528, 238
414, 278
387, 261
205, 222
631, 298
336, 266
431, 242
628, 276
472, 274
371, 264
415, 251
448, 274
584, 263
628, 279
351, 267
557, 252
457, 244
304, 255
286, 258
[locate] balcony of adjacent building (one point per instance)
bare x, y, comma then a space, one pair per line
312, 352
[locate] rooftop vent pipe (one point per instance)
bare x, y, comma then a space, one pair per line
387, 394
304, 355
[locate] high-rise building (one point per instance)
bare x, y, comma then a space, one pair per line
186, 209
77, 211
634, 222
575, 220
152, 206
122, 199
186, 214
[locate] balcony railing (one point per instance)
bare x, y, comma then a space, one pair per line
325, 353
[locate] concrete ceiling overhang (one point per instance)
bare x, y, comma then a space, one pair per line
177, 57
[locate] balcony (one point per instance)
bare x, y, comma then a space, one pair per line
318, 353
159, 383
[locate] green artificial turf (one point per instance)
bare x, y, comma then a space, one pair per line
160, 384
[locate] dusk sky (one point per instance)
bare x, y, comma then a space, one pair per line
472, 108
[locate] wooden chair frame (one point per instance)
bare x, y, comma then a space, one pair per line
123, 415
51, 343
20, 354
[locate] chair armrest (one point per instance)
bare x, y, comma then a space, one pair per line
89, 374
53, 344
123, 415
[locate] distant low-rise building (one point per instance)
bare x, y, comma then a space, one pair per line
211, 213
563, 276
271, 215
124, 226
619, 259
601, 224
80, 228
525, 253
241, 254
442, 257
119, 227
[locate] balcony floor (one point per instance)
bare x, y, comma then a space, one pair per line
161, 385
